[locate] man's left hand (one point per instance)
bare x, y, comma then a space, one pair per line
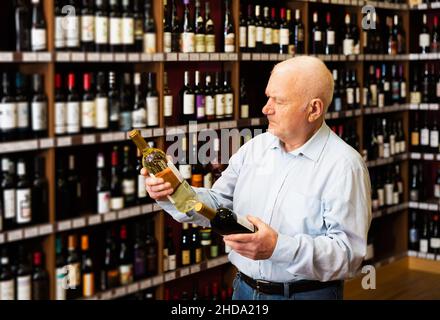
256, 246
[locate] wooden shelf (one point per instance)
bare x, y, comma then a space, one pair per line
425, 255
424, 106
386, 109
424, 156
26, 233
425, 6
433, 205
159, 279
390, 210
25, 57
385, 161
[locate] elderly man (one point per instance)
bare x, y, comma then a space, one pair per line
304, 188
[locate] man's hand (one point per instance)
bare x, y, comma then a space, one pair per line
157, 188
256, 246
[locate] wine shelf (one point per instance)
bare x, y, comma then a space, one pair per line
424, 156
361, 3
30, 57
26, 233
385, 161
424, 255
390, 210
425, 6
159, 279
433, 205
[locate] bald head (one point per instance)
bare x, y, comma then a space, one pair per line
308, 77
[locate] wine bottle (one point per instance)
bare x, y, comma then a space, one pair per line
7, 285
298, 31
60, 107
139, 114
101, 103
40, 278
242, 32
209, 99
424, 36
125, 259
244, 104
169, 251
73, 106
73, 270
157, 164
87, 272
228, 95
413, 233
259, 30
39, 107
224, 221
175, 29
23, 276
72, 26
139, 254
200, 43
149, 28
8, 107
138, 17
23, 106
185, 248
166, 27
435, 36
330, 42
23, 196
126, 103
87, 26
110, 270
229, 30
187, 98
38, 29
210, 40
199, 97
101, 26
284, 33
348, 41
167, 99
187, 41
116, 196
152, 101
40, 192
196, 247
88, 106
114, 102
74, 187
267, 33
127, 26
61, 270
219, 97
22, 27
128, 180
434, 241
276, 31
102, 187
251, 30
151, 249
115, 27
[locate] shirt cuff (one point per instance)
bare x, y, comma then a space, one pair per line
285, 249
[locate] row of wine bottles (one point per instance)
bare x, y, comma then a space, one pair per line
387, 187
24, 194
385, 139
420, 188
425, 87
424, 232
21, 279
211, 292
425, 132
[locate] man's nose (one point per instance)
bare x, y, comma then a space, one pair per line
268, 109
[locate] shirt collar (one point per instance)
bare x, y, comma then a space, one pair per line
312, 149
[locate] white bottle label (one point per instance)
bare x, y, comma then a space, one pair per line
172, 262
9, 203
127, 31
210, 105
424, 245
207, 180
141, 191
244, 111
60, 118
101, 30
284, 37
72, 31
229, 103
167, 42
389, 194
139, 118
259, 34
350, 96
347, 46
103, 201
403, 89
39, 115
330, 37
210, 42
185, 171
424, 40
73, 117
251, 36
230, 42
243, 37
268, 36
437, 190
61, 283
8, 116
24, 288
317, 36
23, 115
200, 44
116, 203
188, 104
433, 139
245, 223
152, 111
188, 42
7, 290
59, 33
386, 150
149, 42
115, 31
219, 104
101, 113
88, 114
38, 39
87, 28
275, 36
435, 243
424, 137
128, 187
381, 196
168, 106
24, 206
74, 275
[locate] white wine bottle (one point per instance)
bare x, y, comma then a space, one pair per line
184, 197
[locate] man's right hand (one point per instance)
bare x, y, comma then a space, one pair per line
157, 188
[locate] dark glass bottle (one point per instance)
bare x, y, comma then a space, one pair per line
40, 278
40, 192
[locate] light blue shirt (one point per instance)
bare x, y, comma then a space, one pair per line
316, 197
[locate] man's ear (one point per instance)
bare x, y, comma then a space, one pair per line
316, 110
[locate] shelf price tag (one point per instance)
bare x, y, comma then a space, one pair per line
31, 232
433, 207
428, 156
123, 214
89, 139
156, 207
158, 132
132, 288
195, 268
120, 57
79, 223
133, 57
93, 56
15, 235
2, 238
416, 155
95, 219
158, 57
106, 137
423, 206
29, 56
44, 56
64, 141
46, 143
147, 208
434, 106
6, 56
64, 225
107, 57
183, 272
78, 56
120, 292
145, 284
45, 229
107, 295
169, 276
157, 280
111, 216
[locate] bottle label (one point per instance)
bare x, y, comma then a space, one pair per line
424, 137
284, 37
72, 31
24, 288
381, 197
73, 116
207, 180
8, 116
433, 139
116, 203
149, 42
59, 32
210, 105
386, 150
259, 34
438, 89
61, 283
38, 38
396, 198
229, 104
370, 252
350, 96
251, 36
125, 123
381, 100
437, 190
375, 204
167, 42
88, 285
210, 42
415, 97
213, 251
243, 37
127, 31
103, 201
188, 104
73, 276
88, 114
22, 115
166, 267
200, 106
373, 90
414, 195
168, 106
185, 171
126, 274
338, 104
400, 187
87, 28
424, 245
7, 290
230, 42
424, 40
39, 115
357, 95
317, 36
152, 111
200, 42
347, 46
268, 36
60, 117
172, 262
198, 255
101, 113
244, 111
9, 203
188, 42
435, 243
415, 138
128, 187
276, 36
24, 201
115, 31
386, 86
413, 235
141, 191
139, 30
186, 258
403, 90
330, 38
245, 223
139, 118
389, 194
219, 105
101, 30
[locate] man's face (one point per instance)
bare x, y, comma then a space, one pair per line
285, 108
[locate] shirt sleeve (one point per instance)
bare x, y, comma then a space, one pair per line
339, 252
220, 195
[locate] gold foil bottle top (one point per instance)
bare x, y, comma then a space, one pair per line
204, 210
